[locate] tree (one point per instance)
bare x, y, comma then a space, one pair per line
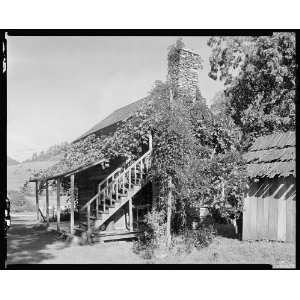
195, 155
259, 75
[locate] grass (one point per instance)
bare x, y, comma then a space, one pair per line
41, 246
232, 251
29, 242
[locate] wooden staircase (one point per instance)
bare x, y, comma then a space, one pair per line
113, 193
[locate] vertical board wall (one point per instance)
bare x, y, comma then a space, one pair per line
270, 210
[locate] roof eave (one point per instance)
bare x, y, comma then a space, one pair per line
72, 172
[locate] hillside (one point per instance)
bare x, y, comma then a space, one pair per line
53, 153
18, 174
11, 161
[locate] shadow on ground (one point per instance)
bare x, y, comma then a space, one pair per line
28, 241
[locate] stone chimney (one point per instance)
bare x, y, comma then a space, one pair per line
183, 73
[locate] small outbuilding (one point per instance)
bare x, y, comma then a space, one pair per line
270, 205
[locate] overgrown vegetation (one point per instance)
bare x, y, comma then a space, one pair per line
260, 81
52, 153
196, 159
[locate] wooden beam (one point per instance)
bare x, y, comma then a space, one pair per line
169, 211
130, 215
58, 203
88, 218
37, 200
150, 141
72, 203
47, 203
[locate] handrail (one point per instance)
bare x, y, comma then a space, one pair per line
133, 164
89, 202
115, 179
109, 176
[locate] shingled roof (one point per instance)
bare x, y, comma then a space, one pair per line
272, 155
118, 115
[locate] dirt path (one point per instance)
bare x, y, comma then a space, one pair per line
30, 243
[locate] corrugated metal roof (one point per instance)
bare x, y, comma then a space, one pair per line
272, 155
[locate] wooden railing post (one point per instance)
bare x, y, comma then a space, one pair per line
117, 190
89, 217
130, 215
47, 203
37, 200
141, 169
137, 218
72, 204
104, 200
129, 178
110, 193
58, 203
123, 184
150, 141
97, 206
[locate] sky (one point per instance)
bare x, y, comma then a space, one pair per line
59, 87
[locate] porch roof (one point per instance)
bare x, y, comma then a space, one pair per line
272, 155
70, 172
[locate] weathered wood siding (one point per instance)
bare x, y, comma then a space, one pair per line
270, 210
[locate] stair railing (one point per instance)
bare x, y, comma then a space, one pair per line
115, 181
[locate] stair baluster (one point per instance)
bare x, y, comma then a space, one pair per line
122, 179
89, 217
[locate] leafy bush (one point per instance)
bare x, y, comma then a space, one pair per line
200, 237
153, 235
153, 238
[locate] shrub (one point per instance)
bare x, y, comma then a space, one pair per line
153, 238
153, 235
199, 238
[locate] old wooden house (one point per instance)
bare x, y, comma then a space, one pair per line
113, 200
270, 204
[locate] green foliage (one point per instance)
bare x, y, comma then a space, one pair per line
51, 153
198, 150
260, 79
218, 183
153, 236
199, 238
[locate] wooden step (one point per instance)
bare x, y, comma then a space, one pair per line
122, 195
83, 224
107, 205
114, 236
85, 217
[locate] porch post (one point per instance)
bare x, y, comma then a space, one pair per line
72, 204
130, 215
58, 203
150, 141
37, 200
47, 202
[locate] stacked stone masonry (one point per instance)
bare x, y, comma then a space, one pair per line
184, 66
